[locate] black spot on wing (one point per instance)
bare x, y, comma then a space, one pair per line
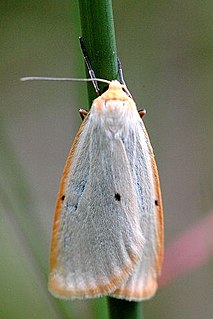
117, 197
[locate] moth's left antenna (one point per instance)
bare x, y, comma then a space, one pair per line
89, 67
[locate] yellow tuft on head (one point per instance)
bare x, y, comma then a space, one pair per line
115, 92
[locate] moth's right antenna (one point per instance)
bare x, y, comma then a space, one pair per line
121, 78
89, 67
120, 72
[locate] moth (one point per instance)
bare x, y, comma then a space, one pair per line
107, 236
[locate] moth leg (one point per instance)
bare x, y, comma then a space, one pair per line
142, 113
83, 113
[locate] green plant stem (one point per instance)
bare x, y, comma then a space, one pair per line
122, 309
99, 38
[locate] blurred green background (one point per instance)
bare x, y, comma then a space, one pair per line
166, 48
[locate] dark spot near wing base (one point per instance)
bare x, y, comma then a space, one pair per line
156, 203
63, 197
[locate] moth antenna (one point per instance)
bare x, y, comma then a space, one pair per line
89, 67
121, 78
44, 78
120, 72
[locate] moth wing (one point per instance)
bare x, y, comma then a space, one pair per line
96, 240
142, 283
